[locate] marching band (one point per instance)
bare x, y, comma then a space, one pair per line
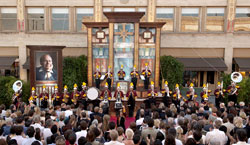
168, 97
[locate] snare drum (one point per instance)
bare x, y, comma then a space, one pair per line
92, 93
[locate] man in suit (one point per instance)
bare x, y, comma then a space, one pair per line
46, 70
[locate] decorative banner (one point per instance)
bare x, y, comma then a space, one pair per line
20, 14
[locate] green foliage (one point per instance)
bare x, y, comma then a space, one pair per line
244, 91
74, 71
171, 71
7, 92
226, 82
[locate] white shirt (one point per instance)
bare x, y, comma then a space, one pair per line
248, 141
177, 142
241, 143
114, 143
203, 138
229, 126
80, 134
68, 113
217, 135
139, 121
37, 125
46, 133
19, 139
29, 141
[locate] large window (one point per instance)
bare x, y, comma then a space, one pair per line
166, 15
35, 19
8, 19
84, 14
190, 20
190, 77
242, 19
215, 19
210, 77
60, 19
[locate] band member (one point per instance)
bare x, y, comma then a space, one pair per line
44, 96
56, 96
152, 93
134, 74
75, 95
219, 94
131, 95
191, 94
83, 95
121, 74
17, 96
205, 93
33, 98
109, 76
118, 92
97, 76
106, 93
66, 97
177, 96
233, 91
166, 94
146, 73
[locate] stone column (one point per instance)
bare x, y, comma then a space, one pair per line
228, 54
231, 6
151, 10
22, 51
98, 10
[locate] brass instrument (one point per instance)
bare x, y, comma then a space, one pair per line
207, 89
221, 88
178, 94
167, 91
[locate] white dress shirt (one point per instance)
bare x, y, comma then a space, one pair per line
241, 143
217, 135
68, 113
37, 125
114, 143
80, 134
19, 139
177, 142
46, 133
139, 121
29, 141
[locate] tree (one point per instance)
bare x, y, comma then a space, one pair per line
171, 71
74, 71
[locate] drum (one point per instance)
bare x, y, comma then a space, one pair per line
92, 93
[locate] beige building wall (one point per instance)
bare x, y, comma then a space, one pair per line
9, 51
224, 44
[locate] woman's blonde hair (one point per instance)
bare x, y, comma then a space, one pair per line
105, 123
157, 123
238, 122
37, 111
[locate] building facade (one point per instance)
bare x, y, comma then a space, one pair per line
214, 33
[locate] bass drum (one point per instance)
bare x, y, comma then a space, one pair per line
92, 93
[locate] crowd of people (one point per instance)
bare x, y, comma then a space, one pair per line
187, 124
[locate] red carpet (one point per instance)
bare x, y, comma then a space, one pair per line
127, 121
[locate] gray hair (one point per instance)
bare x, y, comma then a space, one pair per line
129, 133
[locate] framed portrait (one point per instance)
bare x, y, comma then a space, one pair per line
46, 65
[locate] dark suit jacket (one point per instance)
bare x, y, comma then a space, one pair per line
40, 75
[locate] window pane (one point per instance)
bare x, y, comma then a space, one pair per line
60, 19
124, 9
242, 19
35, 19
190, 20
107, 9
166, 15
8, 19
84, 14
210, 77
215, 19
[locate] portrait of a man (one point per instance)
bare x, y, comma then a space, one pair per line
46, 71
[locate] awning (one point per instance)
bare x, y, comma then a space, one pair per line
203, 64
26, 65
7, 62
243, 63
